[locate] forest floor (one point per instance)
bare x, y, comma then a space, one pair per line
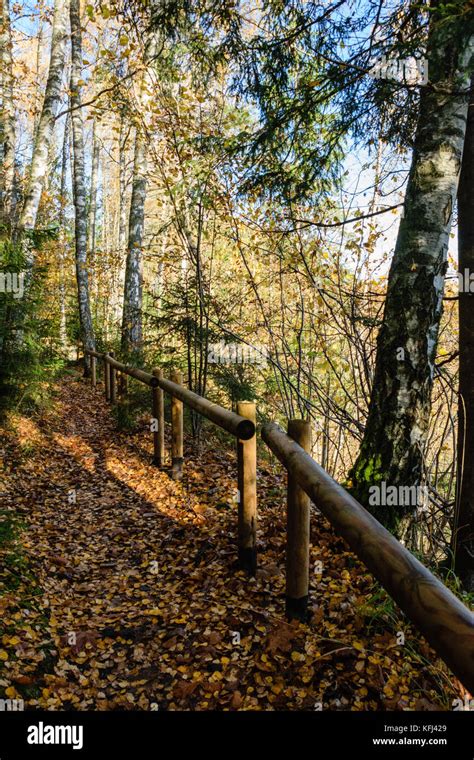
119, 588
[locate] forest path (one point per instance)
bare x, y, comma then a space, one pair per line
123, 591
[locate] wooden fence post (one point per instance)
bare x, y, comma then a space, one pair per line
159, 416
93, 371
122, 384
247, 485
176, 432
106, 378
297, 532
113, 381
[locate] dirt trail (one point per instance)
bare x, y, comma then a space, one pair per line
138, 603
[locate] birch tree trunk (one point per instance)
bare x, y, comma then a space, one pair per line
45, 128
63, 246
392, 449
39, 54
79, 184
7, 119
92, 221
133, 288
91, 228
131, 344
463, 532
123, 138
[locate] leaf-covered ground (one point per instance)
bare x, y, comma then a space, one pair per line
120, 591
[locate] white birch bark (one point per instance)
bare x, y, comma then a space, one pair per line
92, 216
39, 54
92, 222
7, 118
39, 164
79, 184
63, 246
123, 138
133, 288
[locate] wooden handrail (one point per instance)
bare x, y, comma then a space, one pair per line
95, 354
138, 374
240, 427
446, 623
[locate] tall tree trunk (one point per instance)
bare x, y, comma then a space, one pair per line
92, 221
325, 427
463, 533
123, 139
39, 51
39, 163
63, 246
7, 119
133, 289
79, 185
393, 446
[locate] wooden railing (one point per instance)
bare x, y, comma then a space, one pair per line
240, 424
446, 623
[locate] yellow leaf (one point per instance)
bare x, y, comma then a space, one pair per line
3, 655
297, 656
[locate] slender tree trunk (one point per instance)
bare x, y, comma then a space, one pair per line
63, 238
79, 185
123, 138
463, 533
133, 290
44, 133
92, 221
7, 119
91, 229
39, 50
393, 446
325, 430
106, 273
158, 289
